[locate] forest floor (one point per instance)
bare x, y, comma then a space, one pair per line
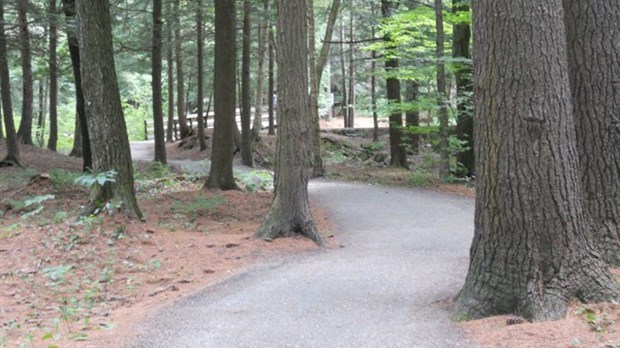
77, 282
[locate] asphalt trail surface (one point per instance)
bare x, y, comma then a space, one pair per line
404, 251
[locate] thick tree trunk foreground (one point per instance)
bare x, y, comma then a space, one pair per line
532, 250
106, 123
290, 210
593, 36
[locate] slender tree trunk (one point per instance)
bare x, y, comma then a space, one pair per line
316, 161
53, 88
271, 73
260, 74
1, 122
200, 76
12, 147
398, 155
76, 149
158, 112
533, 250
593, 36
105, 119
413, 115
442, 93
42, 95
170, 133
246, 102
373, 93
351, 106
464, 89
221, 172
25, 126
74, 51
184, 129
343, 78
290, 211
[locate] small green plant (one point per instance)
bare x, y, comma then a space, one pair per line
35, 203
421, 178
598, 322
89, 180
62, 178
57, 274
374, 146
256, 180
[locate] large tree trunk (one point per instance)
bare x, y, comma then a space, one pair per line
221, 172
373, 85
25, 126
246, 98
104, 113
257, 125
593, 37
200, 76
178, 39
12, 153
533, 250
170, 132
53, 88
74, 52
442, 93
398, 155
290, 210
464, 89
158, 112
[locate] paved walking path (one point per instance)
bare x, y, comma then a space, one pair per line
404, 250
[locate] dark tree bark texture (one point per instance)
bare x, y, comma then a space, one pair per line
246, 97
271, 82
53, 64
398, 155
158, 105
200, 76
462, 73
25, 126
74, 52
104, 112
593, 36
290, 211
12, 155
532, 250
170, 66
183, 127
221, 172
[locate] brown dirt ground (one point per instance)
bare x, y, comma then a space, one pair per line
62, 282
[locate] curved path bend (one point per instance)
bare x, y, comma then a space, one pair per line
404, 251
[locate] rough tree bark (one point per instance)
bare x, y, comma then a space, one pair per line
53, 88
246, 97
350, 122
343, 76
593, 37
221, 172
461, 38
42, 96
290, 210
533, 250
74, 52
178, 39
442, 93
398, 155
200, 76
12, 147
104, 113
170, 67
24, 133
158, 112
1, 126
